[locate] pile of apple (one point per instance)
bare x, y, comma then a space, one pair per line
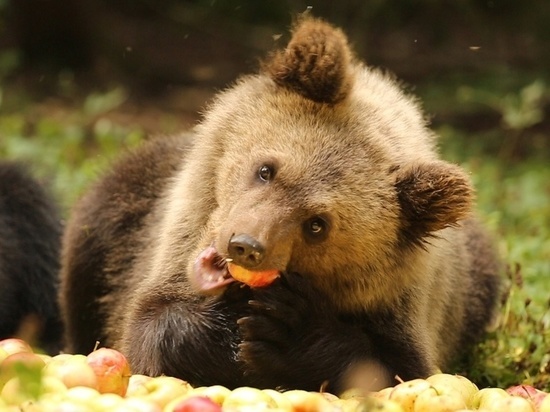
102, 381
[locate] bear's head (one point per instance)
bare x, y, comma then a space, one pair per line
322, 166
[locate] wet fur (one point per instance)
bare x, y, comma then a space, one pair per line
404, 281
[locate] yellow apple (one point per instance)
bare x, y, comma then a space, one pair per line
136, 385
406, 393
441, 400
245, 395
111, 369
281, 401
461, 384
486, 397
303, 401
72, 370
162, 390
544, 406
217, 393
252, 278
511, 404
138, 405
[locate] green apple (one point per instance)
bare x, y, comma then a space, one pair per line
72, 370
111, 369
136, 385
486, 397
406, 393
461, 384
26, 364
439, 399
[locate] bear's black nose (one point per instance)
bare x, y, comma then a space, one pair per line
245, 251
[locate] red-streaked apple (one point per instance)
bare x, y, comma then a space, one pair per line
528, 392
252, 278
111, 369
15, 345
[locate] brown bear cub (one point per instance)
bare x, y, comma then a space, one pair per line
30, 240
319, 168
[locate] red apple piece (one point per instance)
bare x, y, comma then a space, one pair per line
252, 278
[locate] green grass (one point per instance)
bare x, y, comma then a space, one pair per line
72, 145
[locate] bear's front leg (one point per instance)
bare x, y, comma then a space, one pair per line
293, 340
191, 337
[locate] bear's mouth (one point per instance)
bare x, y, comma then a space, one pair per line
210, 271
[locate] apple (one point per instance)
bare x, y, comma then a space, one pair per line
15, 345
137, 405
111, 369
162, 390
382, 394
486, 397
544, 406
528, 392
3, 354
252, 278
281, 401
375, 404
512, 404
245, 396
136, 385
405, 393
21, 364
304, 401
217, 393
441, 399
72, 370
81, 394
108, 402
195, 403
458, 383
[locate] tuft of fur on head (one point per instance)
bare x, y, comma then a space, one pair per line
315, 63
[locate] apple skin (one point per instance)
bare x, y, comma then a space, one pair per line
528, 392
406, 393
197, 403
136, 385
72, 370
251, 278
545, 404
304, 401
512, 404
486, 397
247, 396
162, 390
111, 369
18, 362
439, 399
15, 345
445, 382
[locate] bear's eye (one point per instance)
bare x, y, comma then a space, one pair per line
316, 229
266, 173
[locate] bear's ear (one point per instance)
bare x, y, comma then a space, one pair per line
315, 63
432, 196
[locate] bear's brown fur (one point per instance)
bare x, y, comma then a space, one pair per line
318, 167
